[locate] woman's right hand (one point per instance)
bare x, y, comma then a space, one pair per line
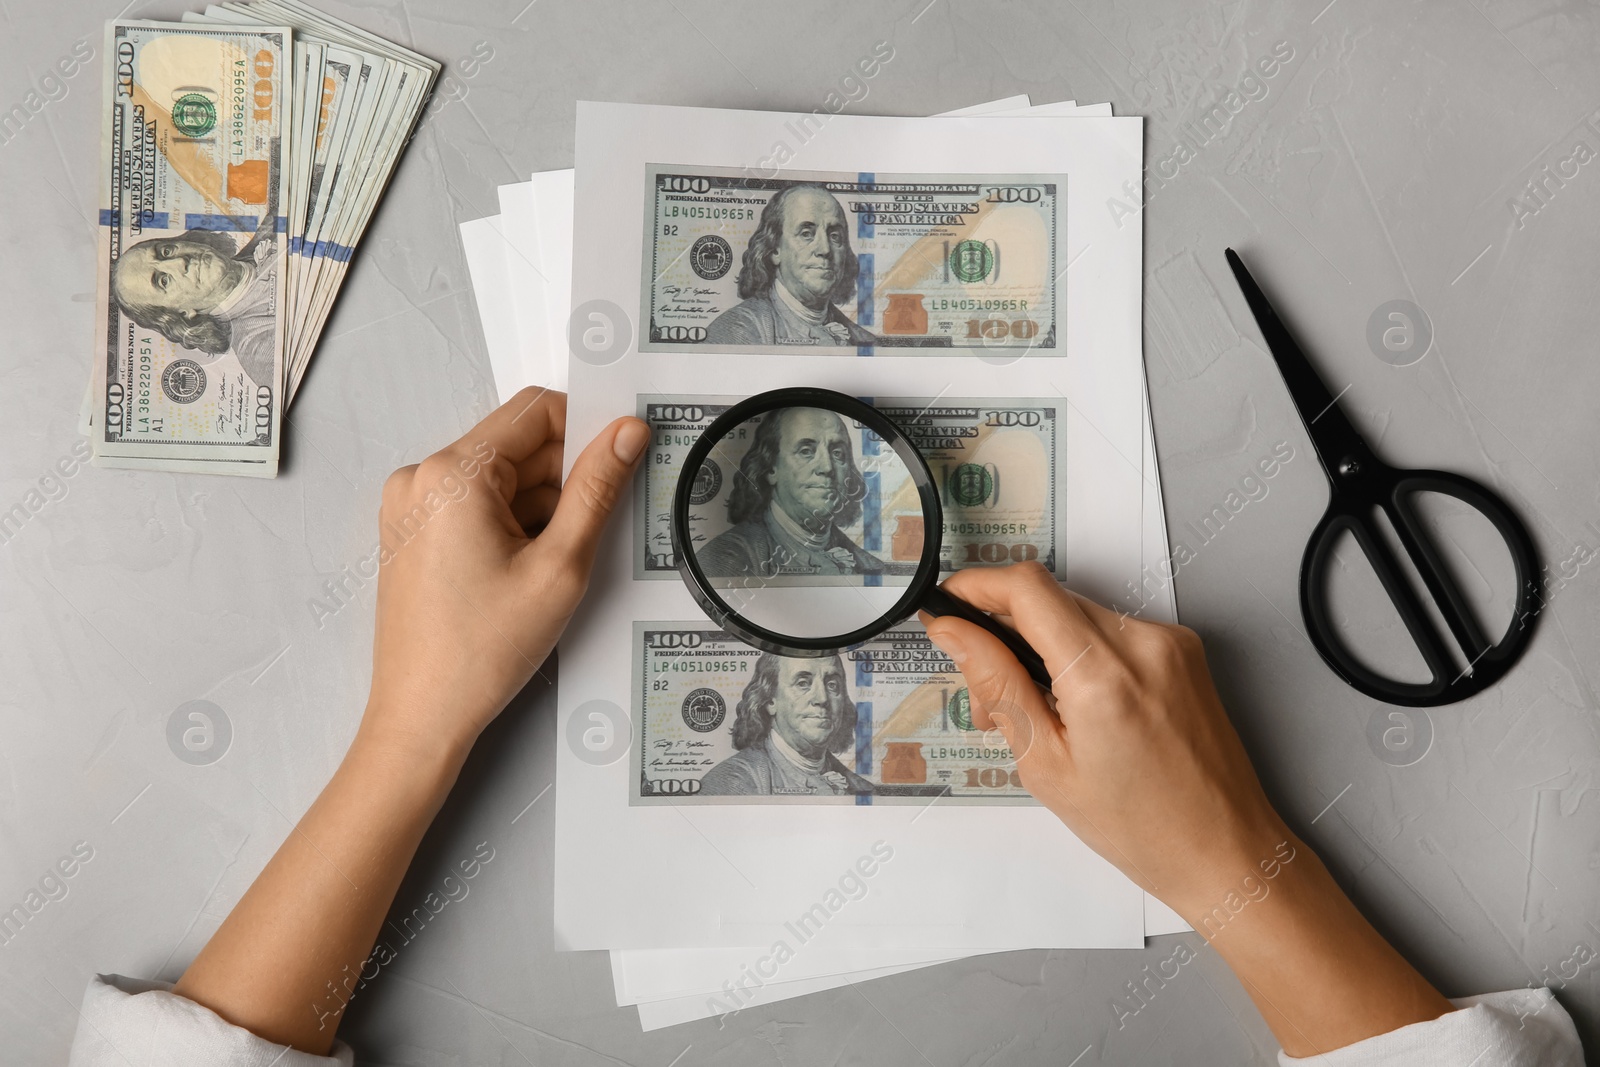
1132, 747
1133, 751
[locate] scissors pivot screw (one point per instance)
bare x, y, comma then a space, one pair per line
1350, 468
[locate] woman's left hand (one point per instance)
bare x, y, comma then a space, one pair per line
484, 557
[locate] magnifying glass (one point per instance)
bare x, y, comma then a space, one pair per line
806, 522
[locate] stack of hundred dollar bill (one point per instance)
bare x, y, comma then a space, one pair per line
243, 152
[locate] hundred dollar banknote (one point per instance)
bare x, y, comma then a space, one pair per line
820, 263
718, 721
191, 325
997, 463
368, 97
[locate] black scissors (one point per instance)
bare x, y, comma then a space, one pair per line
1360, 485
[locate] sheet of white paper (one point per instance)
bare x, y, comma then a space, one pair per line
535, 222
641, 975
685, 974
664, 973
484, 245
738, 872
552, 197
660, 973
689, 979
994, 107
682, 974
656, 1014
1159, 919
529, 282
1163, 607
1065, 108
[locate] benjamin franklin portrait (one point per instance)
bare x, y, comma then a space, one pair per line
796, 271
202, 291
794, 715
797, 484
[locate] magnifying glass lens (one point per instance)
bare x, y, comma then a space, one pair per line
805, 521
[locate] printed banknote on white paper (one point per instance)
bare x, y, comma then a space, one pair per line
717, 720
996, 462
820, 263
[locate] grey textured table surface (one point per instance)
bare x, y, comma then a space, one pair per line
1423, 152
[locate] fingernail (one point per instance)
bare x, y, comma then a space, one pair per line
630, 440
950, 645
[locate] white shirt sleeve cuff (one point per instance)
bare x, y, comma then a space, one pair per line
126, 1022
1516, 1028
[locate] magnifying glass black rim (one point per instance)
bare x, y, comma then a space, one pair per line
805, 397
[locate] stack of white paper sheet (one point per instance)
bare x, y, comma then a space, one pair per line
709, 906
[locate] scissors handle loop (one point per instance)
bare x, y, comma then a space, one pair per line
1394, 492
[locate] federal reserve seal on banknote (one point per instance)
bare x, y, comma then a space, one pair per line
831, 263
718, 721
996, 462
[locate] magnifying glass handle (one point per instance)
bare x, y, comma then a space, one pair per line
938, 602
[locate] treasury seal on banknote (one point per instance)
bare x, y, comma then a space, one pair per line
711, 257
704, 710
184, 381
707, 483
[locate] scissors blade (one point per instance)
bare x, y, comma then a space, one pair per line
1334, 438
